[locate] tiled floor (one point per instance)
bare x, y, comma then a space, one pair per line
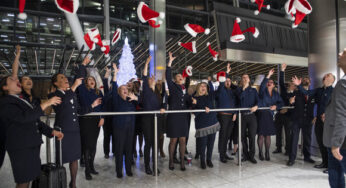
264, 174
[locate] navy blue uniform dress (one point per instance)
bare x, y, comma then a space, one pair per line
206, 124
23, 136
123, 129
266, 126
178, 99
67, 119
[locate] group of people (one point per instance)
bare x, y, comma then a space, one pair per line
21, 127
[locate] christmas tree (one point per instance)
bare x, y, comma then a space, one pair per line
127, 69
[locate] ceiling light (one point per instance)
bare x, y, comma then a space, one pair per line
50, 19
42, 39
20, 21
43, 24
96, 4
3, 36
21, 37
56, 25
5, 20
86, 23
10, 15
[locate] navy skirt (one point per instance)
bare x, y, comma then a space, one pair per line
26, 164
71, 147
266, 126
177, 125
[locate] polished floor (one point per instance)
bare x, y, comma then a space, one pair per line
264, 174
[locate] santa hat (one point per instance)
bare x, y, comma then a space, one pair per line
22, 15
187, 72
303, 8
145, 14
289, 8
95, 36
212, 52
68, 6
105, 47
260, 5
91, 44
194, 29
221, 76
116, 36
238, 35
191, 46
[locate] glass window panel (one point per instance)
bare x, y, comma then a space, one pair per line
93, 7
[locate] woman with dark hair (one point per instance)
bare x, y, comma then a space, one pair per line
22, 128
123, 125
88, 92
27, 91
151, 102
67, 118
205, 122
266, 127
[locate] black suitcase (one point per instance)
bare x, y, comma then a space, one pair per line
53, 175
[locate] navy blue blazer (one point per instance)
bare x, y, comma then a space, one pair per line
226, 98
266, 100
247, 98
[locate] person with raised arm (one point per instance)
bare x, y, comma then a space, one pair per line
151, 102
226, 98
66, 117
177, 123
22, 144
248, 98
88, 92
123, 125
206, 123
322, 97
269, 97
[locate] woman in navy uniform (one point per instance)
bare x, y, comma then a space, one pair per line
27, 92
67, 118
269, 97
123, 125
177, 124
151, 102
89, 95
205, 122
23, 128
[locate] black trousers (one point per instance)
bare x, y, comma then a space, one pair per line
108, 135
149, 138
282, 121
123, 139
319, 138
226, 124
248, 135
306, 126
205, 143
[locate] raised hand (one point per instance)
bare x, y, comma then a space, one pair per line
228, 68
270, 73
18, 49
108, 72
171, 59
78, 81
86, 61
342, 57
148, 60
296, 81
283, 67
96, 102
54, 101
209, 78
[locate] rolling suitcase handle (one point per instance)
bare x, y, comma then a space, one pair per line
60, 149
48, 149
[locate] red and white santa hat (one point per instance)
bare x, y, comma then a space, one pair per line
221, 76
194, 29
303, 8
91, 44
95, 36
187, 71
289, 8
105, 48
260, 5
116, 36
22, 15
212, 52
68, 6
238, 35
145, 14
191, 46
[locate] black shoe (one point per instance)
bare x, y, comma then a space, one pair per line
196, 156
148, 170
210, 164
106, 156
325, 171
290, 163
129, 173
88, 176
244, 159
260, 156
182, 168
93, 171
233, 153
171, 166
158, 171
176, 160
322, 165
228, 157
277, 151
253, 160
203, 166
223, 160
309, 160
119, 175
267, 156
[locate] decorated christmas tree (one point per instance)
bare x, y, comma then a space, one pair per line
127, 69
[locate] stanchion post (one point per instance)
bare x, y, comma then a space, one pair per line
155, 143
239, 139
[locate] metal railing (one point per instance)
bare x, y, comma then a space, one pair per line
155, 112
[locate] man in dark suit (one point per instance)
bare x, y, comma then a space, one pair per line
335, 130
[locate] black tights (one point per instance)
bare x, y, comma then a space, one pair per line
260, 141
182, 147
73, 172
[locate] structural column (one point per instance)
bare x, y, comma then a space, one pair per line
157, 42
